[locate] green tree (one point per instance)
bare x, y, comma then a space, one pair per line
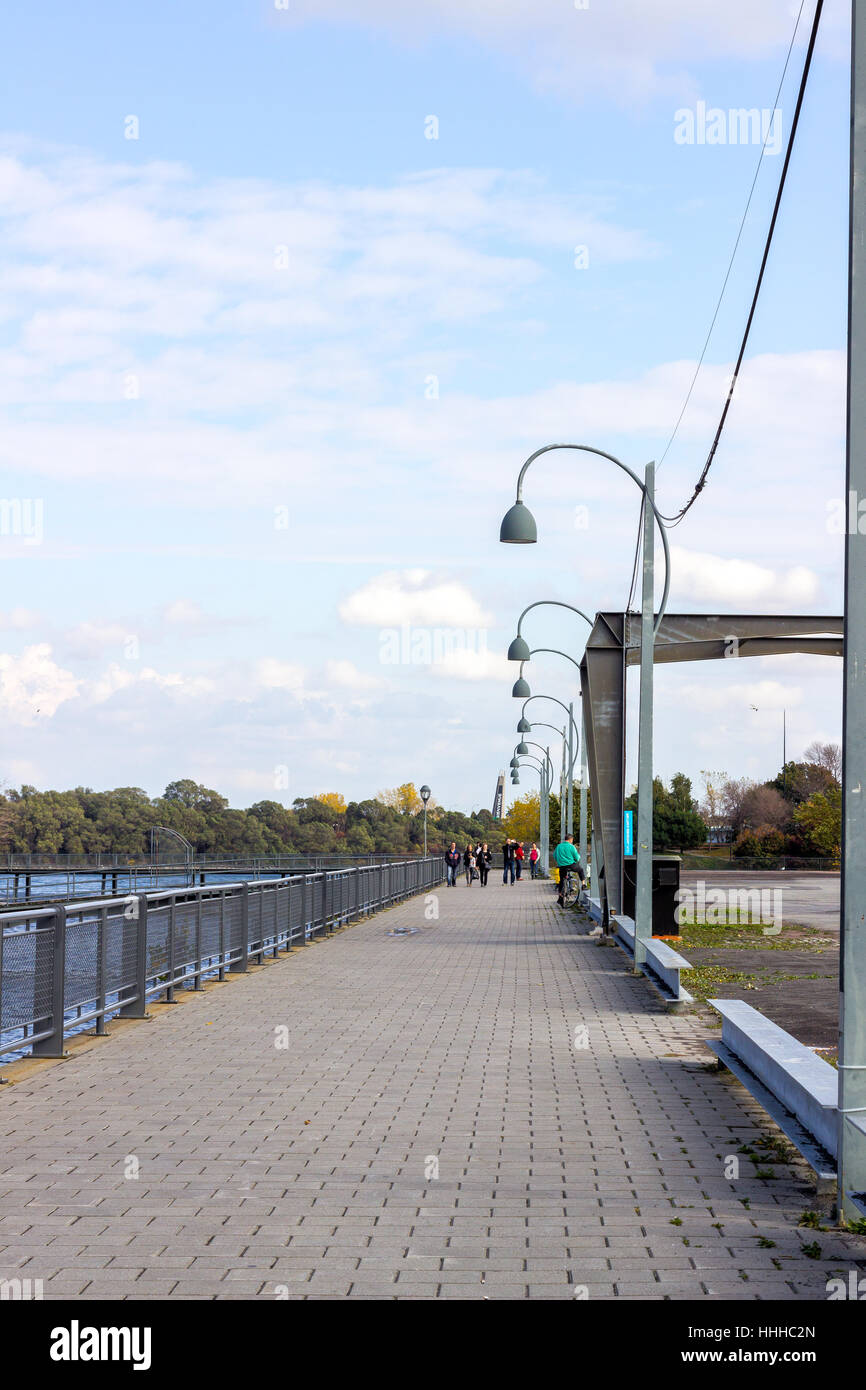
819, 822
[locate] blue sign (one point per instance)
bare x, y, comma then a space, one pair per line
628, 832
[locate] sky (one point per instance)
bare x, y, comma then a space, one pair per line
289, 291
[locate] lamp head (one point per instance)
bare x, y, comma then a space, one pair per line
520, 689
424, 794
519, 650
524, 727
522, 749
514, 764
518, 526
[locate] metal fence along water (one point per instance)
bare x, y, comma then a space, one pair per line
67, 966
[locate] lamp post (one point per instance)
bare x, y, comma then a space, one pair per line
519, 651
544, 800
566, 743
544, 804
852, 945
521, 690
518, 528
519, 648
524, 727
425, 797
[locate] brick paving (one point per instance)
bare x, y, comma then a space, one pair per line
490, 1106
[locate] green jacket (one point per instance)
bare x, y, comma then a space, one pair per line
566, 855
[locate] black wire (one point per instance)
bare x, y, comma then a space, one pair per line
636, 555
736, 246
678, 516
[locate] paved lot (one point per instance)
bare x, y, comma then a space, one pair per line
810, 900
430, 1131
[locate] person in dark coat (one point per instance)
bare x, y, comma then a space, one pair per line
452, 864
508, 861
484, 859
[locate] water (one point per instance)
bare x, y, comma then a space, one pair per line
88, 883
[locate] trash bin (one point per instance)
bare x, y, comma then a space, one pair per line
666, 886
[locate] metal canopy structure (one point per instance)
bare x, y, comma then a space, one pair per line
614, 644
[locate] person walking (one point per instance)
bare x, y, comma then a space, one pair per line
452, 864
567, 859
518, 859
533, 861
485, 859
469, 864
508, 861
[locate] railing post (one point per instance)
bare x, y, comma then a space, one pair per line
239, 967
260, 953
137, 1007
169, 993
52, 1046
102, 970
198, 980
222, 936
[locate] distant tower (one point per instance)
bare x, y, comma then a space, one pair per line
499, 797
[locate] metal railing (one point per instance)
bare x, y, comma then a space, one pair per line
45, 883
36, 861
65, 966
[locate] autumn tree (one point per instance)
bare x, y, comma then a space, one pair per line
404, 798
523, 819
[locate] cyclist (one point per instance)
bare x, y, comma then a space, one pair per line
566, 858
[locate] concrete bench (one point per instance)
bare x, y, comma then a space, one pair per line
663, 965
592, 906
798, 1089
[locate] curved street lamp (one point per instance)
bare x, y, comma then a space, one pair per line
520, 690
524, 727
519, 528
519, 649
424, 794
518, 525
545, 767
544, 811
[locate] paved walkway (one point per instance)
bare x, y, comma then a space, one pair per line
430, 1131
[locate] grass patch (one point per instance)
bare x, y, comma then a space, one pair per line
750, 936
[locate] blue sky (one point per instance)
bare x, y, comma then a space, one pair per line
270, 370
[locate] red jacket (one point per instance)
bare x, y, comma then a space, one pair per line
518, 853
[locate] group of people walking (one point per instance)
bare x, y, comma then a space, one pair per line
477, 860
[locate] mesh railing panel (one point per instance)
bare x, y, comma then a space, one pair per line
81, 967
157, 940
28, 971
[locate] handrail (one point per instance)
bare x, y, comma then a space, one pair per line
176, 939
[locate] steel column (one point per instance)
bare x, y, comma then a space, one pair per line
852, 959
643, 912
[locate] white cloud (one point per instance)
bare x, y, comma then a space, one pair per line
33, 686
468, 664
271, 674
117, 678
735, 582
416, 597
91, 639
20, 619
749, 698
346, 675
631, 48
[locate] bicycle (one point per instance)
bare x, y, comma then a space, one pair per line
569, 894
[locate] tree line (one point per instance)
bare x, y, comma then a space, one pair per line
83, 821
797, 813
